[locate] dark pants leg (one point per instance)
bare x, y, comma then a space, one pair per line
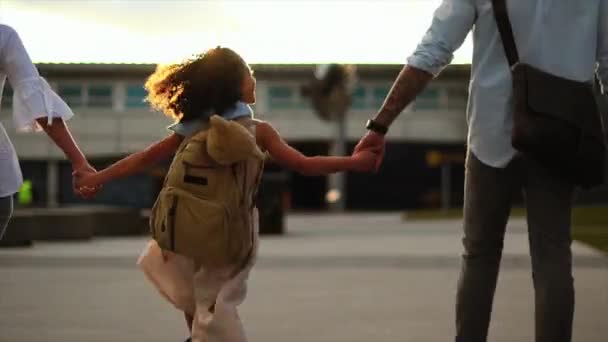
6, 210
549, 206
488, 196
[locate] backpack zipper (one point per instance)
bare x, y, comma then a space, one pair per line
172, 215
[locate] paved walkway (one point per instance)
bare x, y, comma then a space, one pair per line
333, 278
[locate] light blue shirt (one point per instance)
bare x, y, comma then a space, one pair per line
188, 128
568, 38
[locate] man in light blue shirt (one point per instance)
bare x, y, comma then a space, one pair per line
567, 38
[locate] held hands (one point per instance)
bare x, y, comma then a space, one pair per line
84, 181
364, 161
369, 152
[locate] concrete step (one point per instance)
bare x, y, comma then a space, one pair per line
72, 223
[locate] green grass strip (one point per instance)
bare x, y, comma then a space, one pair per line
589, 224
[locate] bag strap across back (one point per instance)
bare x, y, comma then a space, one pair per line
506, 31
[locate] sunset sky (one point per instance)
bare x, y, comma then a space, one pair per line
275, 31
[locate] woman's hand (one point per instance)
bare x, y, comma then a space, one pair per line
85, 181
80, 171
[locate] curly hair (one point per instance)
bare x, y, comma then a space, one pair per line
210, 82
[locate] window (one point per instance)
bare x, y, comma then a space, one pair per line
378, 95
97, 95
7, 97
136, 95
281, 97
427, 100
100, 95
71, 94
358, 98
457, 98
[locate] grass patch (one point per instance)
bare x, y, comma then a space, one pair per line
589, 224
590, 216
594, 236
452, 213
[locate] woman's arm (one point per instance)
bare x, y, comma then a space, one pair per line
16, 63
135, 163
60, 134
270, 140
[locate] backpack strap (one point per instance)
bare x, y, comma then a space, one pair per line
249, 123
257, 185
254, 123
181, 148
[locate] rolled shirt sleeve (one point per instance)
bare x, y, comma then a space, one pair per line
451, 23
33, 98
602, 45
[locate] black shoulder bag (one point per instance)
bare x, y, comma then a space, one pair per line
556, 121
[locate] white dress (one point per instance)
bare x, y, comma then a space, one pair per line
33, 98
211, 298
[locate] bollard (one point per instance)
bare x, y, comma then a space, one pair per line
271, 204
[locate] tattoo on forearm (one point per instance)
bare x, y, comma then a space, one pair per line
409, 84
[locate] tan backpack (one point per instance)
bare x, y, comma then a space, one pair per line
204, 210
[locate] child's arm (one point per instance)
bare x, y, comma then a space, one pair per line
270, 140
135, 162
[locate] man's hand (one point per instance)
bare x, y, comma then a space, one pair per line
364, 161
374, 143
407, 86
81, 171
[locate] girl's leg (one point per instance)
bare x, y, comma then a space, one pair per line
207, 285
217, 296
219, 321
226, 315
189, 318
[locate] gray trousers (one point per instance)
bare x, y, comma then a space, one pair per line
6, 210
488, 198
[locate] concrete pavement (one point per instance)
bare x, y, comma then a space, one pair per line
334, 278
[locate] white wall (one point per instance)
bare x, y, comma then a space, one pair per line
116, 130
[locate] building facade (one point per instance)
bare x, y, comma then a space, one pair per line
112, 120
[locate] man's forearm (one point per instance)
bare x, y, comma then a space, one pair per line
61, 136
407, 86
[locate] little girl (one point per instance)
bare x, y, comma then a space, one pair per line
216, 82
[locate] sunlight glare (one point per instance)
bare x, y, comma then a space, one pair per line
262, 31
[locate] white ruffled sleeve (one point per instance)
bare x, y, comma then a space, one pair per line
33, 99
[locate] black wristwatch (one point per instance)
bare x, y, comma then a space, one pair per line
376, 127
